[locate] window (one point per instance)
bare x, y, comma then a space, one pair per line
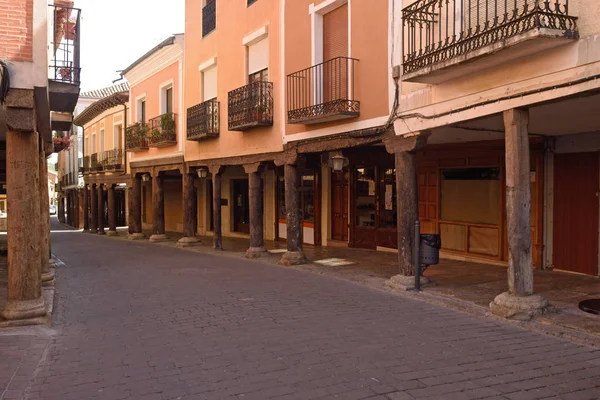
166, 99
209, 16
101, 140
169, 100
141, 110
117, 136
209, 84
87, 145
258, 60
93, 143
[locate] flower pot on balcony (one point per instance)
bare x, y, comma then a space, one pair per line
59, 147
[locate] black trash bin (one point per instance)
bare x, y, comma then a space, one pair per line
430, 249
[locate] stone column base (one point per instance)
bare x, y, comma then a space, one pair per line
112, 233
93, 231
256, 252
101, 232
520, 308
136, 236
158, 237
187, 241
52, 263
48, 278
403, 282
24, 309
293, 258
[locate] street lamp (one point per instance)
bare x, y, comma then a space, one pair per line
146, 177
202, 172
337, 162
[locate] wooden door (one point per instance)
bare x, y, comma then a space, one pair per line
241, 206
575, 228
339, 205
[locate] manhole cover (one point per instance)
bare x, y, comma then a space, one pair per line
591, 306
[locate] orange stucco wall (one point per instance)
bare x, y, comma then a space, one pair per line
368, 43
234, 21
107, 120
150, 88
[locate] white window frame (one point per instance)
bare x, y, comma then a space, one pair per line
162, 95
316, 21
138, 109
116, 142
208, 64
261, 33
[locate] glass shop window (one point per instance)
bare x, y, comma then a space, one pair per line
365, 196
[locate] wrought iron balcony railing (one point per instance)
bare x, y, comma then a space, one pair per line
162, 130
323, 92
136, 137
87, 164
96, 162
65, 65
251, 106
209, 17
439, 30
203, 120
113, 160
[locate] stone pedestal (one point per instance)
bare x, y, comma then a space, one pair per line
158, 237
521, 308
188, 241
112, 233
24, 287
403, 282
136, 236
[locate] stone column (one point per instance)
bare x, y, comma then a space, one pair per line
44, 228
294, 254
24, 286
217, 233
135, 209
86, 198
190, 211
101, 222
69, 213
112, 212
519, 302
94, 209
60, 212
255, 196
158, 209
407, 191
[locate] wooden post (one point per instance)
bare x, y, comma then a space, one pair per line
407, 206
47, 273
519, 302
112, 211
158, 209
518, 203
94, 209
24, 285
255, 196
101, 210
294, 254
86, 199
135, 209
217, 233
190, 211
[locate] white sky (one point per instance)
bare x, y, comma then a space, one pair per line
115, 33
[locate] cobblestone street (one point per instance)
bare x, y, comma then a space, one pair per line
140, 321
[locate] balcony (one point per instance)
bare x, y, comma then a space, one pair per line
323, 92
136, 137
162, 130
203, 120
65, 71
251, 106
96, 162
209, 17
113, 160
448, 39
87, 164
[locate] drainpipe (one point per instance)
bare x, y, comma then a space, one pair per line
124, 129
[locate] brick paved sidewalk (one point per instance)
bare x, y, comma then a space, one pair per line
140, 321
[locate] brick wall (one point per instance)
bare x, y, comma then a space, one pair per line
16, 30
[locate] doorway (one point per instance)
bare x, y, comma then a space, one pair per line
339, 205
576, 187
241, 206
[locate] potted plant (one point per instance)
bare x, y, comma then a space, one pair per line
167, 126
61, 143
65, 73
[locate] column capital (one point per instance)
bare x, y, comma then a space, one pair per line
414, 142
252, 167
216, 169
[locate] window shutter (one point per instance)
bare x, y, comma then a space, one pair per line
258, 56
335, 33
209, 83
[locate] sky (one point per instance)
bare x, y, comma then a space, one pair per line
115, 33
